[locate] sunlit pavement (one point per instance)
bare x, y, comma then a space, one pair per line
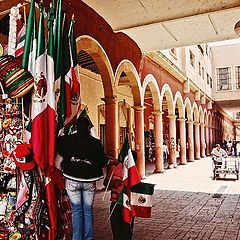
188, 204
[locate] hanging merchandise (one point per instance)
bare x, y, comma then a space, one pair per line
16, 81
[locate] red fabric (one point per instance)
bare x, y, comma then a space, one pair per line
52, 209
116, 184
68, 99
75, 91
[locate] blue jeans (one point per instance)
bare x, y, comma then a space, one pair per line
81, 195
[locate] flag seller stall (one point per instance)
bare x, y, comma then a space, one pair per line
39, 99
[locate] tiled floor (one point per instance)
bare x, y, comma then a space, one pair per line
188, 204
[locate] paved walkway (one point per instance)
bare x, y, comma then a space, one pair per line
188, 204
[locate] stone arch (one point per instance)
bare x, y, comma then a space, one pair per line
209, 119
188, 109
151, 82
129, 69
178, 102
195, 113
167, 98
205, 117
96, 51
201, 115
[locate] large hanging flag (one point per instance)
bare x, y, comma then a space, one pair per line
39, 113
30, 44
130, 172
75, 83
64, 97
142, 199
123, 199
43, 118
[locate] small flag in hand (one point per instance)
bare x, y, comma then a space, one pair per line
124, 200
141, 199
130, 172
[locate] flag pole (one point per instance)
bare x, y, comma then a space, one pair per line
112, 211
108, 184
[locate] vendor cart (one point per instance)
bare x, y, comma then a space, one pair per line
225, 168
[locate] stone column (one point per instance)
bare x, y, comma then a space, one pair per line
207, 139
112, 127
210, 139
190, 141
182, 126
139, 139
203, 141
197, 141
172, 141
158, 133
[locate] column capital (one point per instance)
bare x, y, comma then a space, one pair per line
190, 121
109, 99
181, 119
157, 113
171, 116
196, 123
139, 108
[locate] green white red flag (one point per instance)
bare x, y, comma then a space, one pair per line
20, 38
75, 83
123, 199
130, 172
142, 199
39, 114
43, 117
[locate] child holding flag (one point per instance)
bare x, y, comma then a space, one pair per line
121, 230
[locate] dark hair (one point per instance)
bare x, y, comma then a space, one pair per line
83, 125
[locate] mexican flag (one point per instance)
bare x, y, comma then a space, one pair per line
75, 84
39, 114
142, 199
130, 172
20, 39
124, 200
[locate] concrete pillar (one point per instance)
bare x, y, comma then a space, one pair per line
172, 141
112, 127
203, 141
197, 141
190, 141
158, 133
207, 140
182, 126
139, 139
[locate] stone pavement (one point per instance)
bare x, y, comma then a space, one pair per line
188, 204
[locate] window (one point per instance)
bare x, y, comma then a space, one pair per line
199, 68
237, 76
203, 73
208, 80
224, 78
192, 58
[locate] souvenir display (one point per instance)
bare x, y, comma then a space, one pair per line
16, 81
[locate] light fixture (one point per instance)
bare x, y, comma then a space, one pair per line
237, 28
